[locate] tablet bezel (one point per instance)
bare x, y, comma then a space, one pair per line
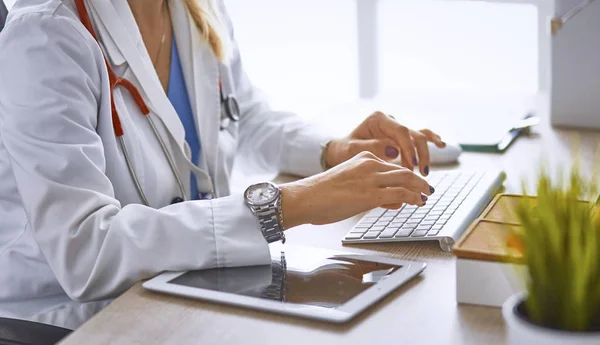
340, 314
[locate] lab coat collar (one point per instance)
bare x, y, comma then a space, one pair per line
124, 43
200, 67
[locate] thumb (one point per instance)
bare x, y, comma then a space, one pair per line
384, 149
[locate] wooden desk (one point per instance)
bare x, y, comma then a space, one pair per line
423, 312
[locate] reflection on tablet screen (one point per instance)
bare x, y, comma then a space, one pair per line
331, 283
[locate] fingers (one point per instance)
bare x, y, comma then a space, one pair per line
387, 174
400, 135
394, 195
393, 206
404, 178
420, 142
382, 148
434, 138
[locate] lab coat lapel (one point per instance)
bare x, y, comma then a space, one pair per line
119, 23
201, 72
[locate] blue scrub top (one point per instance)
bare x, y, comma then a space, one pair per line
178, 95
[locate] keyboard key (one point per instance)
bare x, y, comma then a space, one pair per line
368, 222
382, 223
437, 227
400, 219
377, 228
353, 236
423, 227
386, 218
403, 233
376, 212
391, 213
358, 231
364, 225
417, 217
433, 233
371, 235
396, 224
420, 233
428, 222
389, 232
408, 227
412, 223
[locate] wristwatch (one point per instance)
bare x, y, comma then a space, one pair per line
264, 200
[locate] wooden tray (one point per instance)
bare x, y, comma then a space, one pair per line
486, 238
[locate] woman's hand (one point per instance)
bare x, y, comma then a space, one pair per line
354, 186
386, 138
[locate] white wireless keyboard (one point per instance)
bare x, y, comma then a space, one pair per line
459, 198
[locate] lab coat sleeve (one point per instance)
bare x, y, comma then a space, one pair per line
274, 139
52, 72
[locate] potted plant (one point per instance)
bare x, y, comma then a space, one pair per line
560, 243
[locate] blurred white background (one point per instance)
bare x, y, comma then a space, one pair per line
303, 53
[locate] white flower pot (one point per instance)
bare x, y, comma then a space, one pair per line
521, 331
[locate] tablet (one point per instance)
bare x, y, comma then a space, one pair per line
300, 281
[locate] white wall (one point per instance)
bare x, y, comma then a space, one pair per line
303, 52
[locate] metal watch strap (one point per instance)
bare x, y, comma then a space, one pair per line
271, 221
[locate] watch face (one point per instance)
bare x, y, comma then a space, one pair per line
262, 193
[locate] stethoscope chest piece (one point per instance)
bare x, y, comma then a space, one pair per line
230, 109
176, 200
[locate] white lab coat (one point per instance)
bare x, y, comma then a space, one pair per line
71, 218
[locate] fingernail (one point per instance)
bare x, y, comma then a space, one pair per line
415, 161
431, 190
423, 197
391, 152
426, 170
443, 143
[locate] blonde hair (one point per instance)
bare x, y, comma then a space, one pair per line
211, 27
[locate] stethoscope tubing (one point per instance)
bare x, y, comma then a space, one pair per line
132, 172
169, 158
229, 106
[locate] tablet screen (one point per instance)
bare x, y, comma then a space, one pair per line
310, 280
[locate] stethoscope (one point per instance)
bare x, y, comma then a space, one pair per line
230, 112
